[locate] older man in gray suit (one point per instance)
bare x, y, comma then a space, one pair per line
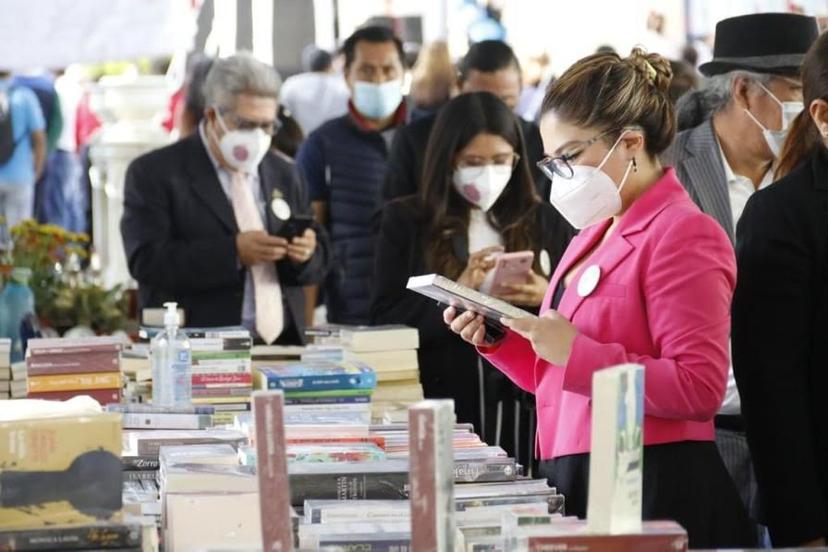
753, 93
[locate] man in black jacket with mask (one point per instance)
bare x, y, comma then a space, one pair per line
203, 217
489, 66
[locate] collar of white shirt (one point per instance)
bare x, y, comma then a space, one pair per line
733, 178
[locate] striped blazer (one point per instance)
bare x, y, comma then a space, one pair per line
697, 158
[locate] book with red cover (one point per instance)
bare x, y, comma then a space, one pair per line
80, 363
274, 485
655, 536
222, 379
103, 396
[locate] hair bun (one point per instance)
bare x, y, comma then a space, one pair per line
654, 68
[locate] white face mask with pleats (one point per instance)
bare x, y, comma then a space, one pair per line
789, 111
591, 195
482, 186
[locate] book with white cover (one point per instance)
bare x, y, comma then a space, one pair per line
207, 521
365, 339
451, 293
615, 467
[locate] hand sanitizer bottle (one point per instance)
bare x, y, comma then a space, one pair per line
171, 363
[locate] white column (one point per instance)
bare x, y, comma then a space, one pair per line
263, 30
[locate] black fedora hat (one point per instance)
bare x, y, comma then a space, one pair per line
773, 43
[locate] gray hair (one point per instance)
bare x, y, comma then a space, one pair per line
718, 89
239, 74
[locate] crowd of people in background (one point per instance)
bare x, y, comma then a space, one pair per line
398, 171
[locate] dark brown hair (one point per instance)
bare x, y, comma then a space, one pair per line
803, 138
608, 93
446, 213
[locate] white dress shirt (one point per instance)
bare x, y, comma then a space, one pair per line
248, 319
740, 188
481, 233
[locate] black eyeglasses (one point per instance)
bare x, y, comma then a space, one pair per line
559, 165
240, 123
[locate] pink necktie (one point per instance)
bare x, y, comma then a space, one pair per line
268, 292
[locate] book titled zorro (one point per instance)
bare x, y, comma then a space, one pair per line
60, 470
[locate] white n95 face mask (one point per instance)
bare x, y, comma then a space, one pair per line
243, 149
482, 186
789, 111
590, 196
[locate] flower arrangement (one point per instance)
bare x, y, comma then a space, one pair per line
63, 298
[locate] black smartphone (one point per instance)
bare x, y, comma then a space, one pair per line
295, 226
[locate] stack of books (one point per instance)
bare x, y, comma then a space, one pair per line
390, 350
62, 484
12, 376
59, 369
323, 393
222, 374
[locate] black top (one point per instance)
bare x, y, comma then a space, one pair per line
780, 348
560, 289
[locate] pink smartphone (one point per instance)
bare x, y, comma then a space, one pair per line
509, 269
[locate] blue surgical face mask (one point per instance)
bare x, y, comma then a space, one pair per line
377, 101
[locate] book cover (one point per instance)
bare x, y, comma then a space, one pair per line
234, 522
332, 393
478, 471
147, 443
146, 333
74, 537
653, 536
72, 364
365, 339
615, 467
225, 391
140, 475
348, 486
73, 346
206, 357
103, 396
143, 408
274, 501
74, 382
135, 420
130, 463
341, 400
218, 344
60, 470
432, 475
222, 379
321, 376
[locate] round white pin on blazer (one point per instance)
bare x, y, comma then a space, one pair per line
280, 208
589, 280
545, 263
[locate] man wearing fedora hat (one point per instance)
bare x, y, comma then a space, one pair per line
753, 93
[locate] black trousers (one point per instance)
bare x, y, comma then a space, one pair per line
685, 482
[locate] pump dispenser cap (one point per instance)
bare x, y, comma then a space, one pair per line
171, 317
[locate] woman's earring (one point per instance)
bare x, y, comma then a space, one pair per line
635, 165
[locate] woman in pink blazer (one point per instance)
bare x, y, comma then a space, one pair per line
649, 280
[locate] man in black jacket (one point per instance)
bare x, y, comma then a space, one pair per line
202, 216
488, 66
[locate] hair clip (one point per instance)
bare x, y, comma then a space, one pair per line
651, 70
